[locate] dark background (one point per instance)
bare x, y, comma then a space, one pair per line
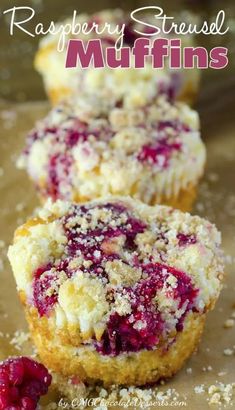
20, 82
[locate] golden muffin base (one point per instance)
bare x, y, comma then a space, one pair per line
184, 201
59, 354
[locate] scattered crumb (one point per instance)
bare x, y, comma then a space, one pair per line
213, 177
145, 396
8, 123
228, 352
228, 260
221, 393
20, 207
215, 399
199, 389
207, 369
189, 370
200, 207
19, 339
221, 374
103, 393
70, 388
8, 115
229, 323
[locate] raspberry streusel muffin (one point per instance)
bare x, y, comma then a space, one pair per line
115, 290
91, 146
133, 84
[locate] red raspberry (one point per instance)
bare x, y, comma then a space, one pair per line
22, 382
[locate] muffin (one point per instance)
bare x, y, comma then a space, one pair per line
114, 290
92, 146
61, 82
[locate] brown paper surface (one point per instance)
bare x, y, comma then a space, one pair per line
216, 201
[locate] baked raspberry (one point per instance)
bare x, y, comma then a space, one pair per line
44, 290
47, 280
159, 153
186, 239
22, 382
143, 327
74, 136
58, 171
90, 243
175, 125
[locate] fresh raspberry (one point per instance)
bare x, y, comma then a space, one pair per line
22, 382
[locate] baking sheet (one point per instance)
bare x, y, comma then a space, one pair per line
216, 201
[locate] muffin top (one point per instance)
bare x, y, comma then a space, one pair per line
94, 145
116, 274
